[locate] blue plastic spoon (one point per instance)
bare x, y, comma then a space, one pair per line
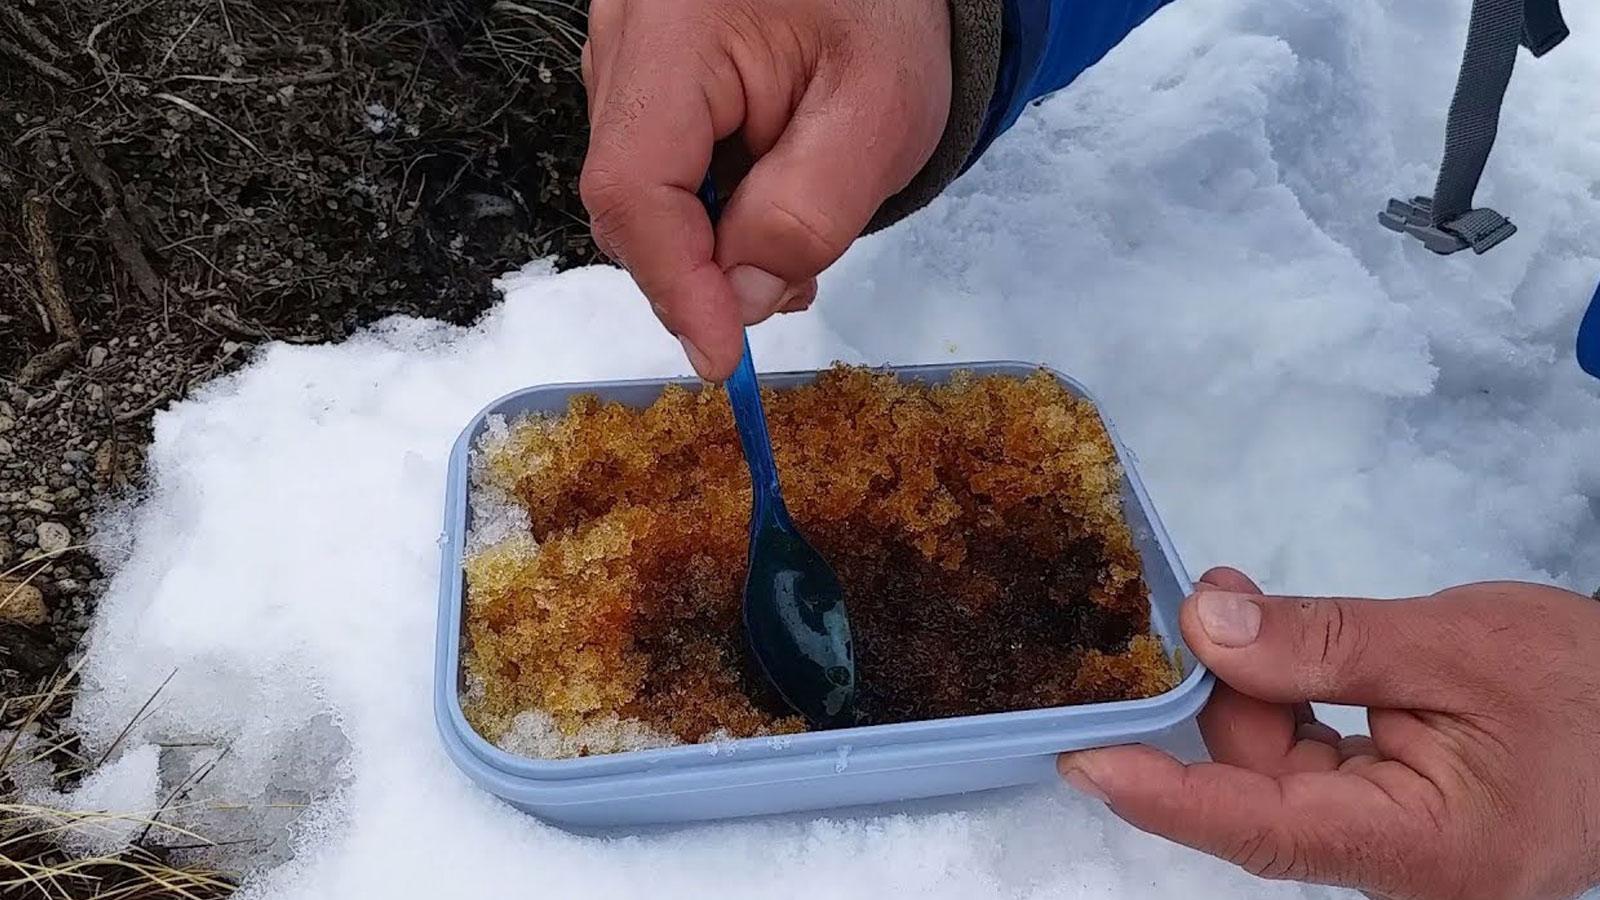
794, 610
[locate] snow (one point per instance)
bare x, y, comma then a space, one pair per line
1191, 230
534, 734
110, 808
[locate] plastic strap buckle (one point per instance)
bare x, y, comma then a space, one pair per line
1479, 229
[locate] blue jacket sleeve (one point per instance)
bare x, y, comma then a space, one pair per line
1045, 44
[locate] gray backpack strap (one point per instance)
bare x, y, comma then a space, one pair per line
1447, 221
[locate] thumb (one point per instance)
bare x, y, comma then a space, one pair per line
1333, 828
808, 198
1376, 653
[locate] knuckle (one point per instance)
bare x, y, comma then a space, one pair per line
1332, 639
807, 231
606, 196
600, 187
1270, 854
610, 202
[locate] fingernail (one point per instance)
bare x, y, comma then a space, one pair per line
1232, 620
1083, 784
760, 292
696, 358
799, 298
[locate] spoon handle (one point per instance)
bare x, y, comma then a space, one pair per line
744, 395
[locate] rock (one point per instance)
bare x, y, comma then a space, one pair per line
6, 549
28, 650
75, 456
67, 494
97, 357
22, 603
5, 449
53, 537
41, 505
7, 423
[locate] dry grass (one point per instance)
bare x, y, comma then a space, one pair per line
34, 863
44, 851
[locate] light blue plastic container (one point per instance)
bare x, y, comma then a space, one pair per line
844, 768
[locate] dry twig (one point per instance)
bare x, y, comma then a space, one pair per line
177, 101
36, 214
37, 64
58, 314
227, 321
47, 363
30, 31
123, 240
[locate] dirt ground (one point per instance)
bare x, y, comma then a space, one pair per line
183, 179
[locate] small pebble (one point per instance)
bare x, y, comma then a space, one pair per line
22, 603
53, 537
68, 494
5, 449
41, 505
97, 357
7, 423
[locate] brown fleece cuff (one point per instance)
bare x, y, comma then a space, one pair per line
975, 60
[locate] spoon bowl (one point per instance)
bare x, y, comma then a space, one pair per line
794, 612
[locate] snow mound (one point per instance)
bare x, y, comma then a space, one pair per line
109, 809
1191, 230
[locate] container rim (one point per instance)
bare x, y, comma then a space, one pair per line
1161, 710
